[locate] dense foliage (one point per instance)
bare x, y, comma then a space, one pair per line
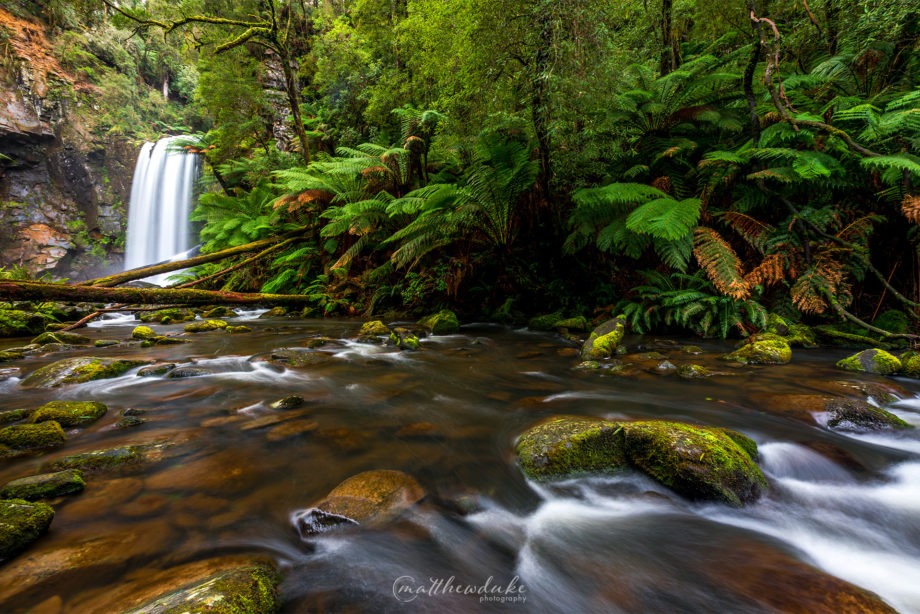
694, 164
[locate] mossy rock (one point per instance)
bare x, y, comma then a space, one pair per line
250, 589
164, 340
371, 331
777, 325
698, 463
579, 324
692, 371
288, 402
8, 355
21, 523
871, 361
168, 316
220, 312
370, 498
205, 326
766, 349
143, 332
9, 416
571, 445
97, 460
63, 338
105, 343
33, 436
910, 364
19, 323
545, 323
78, 371
444, 322
851, 414
237, 330
45, 486
801, 335
605, 339
274, 312
69, 413
158, 370
404, 339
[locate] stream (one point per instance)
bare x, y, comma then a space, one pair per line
840, 505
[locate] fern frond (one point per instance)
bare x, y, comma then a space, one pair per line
753, 230
771, 270
720, 262
910, 207
665, 218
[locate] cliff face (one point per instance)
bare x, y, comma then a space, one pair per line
63, 192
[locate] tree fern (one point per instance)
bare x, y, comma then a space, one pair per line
720, 262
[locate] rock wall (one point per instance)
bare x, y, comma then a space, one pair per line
63, 192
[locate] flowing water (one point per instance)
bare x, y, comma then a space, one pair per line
161, 203
840, 505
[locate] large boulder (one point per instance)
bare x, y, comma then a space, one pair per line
696, 462
44, 486
33, 436
78, 371
372, 331
910, 364
62, 338
871, 361
444, 322
21, 523
371, 498
605, 339
205, 326
764, 349
69, 413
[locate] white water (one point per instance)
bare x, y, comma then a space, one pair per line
161, 202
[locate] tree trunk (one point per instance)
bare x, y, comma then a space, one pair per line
539, 101
668, 43
290, 87
13, 290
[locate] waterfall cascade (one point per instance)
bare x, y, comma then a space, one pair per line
161, 202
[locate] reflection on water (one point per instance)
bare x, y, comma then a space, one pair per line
234, 468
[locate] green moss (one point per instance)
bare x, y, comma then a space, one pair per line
19, 323
13, 415
8, 355
78, 370
546, 322
567, 446
579, 323
45, 486
766, 349
743, 441
444, 322
862, 415
910, 364
871, 361
801, 335
100, 459
220, 312
33, 436
69, 413
169, 315
693, 371
205, 326
274, 312
588, 364
104, 343
143, 332
63, 338
777, 325
604, 340
698, 463
848, 339
404, 339
894, 321
236, 330
21, 523
374, 328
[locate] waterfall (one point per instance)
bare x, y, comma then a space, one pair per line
161, 202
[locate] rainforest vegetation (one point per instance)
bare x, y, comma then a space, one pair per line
694, 165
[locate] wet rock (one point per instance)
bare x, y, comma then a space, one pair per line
290, 429
288, 402
665, 367
98, 460
69, 413
219, 473
696, 462
274, 312
604, 340
10, 416
871, 361
8, 355
142, 333
157, 370
33, 436
19, 323
9, 372
545, 323
588, 364
168, 316
693, 371
79, 370
763, 350
420, 430
62, 338
21, 523
252, 589
444, 322
44, 486
371, 498
404, 339
205, 326
185, 372
129, 421
220, 312
910, 364
133, 411
105, 343
372, 331
298, 359
238, 330
695, 350
848, 414
579, 324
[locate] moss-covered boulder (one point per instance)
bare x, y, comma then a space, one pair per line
205, 326
699, 463
33, 436
21, 523
373, 330
444, 322
571, 445
97, 460
605, 339
8, 355
238, 330
370, 498
274, 312
578, 324
910, 364
871, 361
765, 349
9, 416
79, 370
851, 414
250, 589
168, 316
404, 339
143, 332
693, 371
19, 323
63, 338
69, 413
545, 322
220, 312
45, 486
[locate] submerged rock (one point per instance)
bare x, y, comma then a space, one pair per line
764, 349
21, 523
69, 413
108, 458
369, 498
695, 462
79, 370
44, 486
62, 338
184, 372
205, 326
444, 322
604, 340
851, 413
33, 436
237, 330
871, 361
158, 370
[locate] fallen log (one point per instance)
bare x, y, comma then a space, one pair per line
14, 290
